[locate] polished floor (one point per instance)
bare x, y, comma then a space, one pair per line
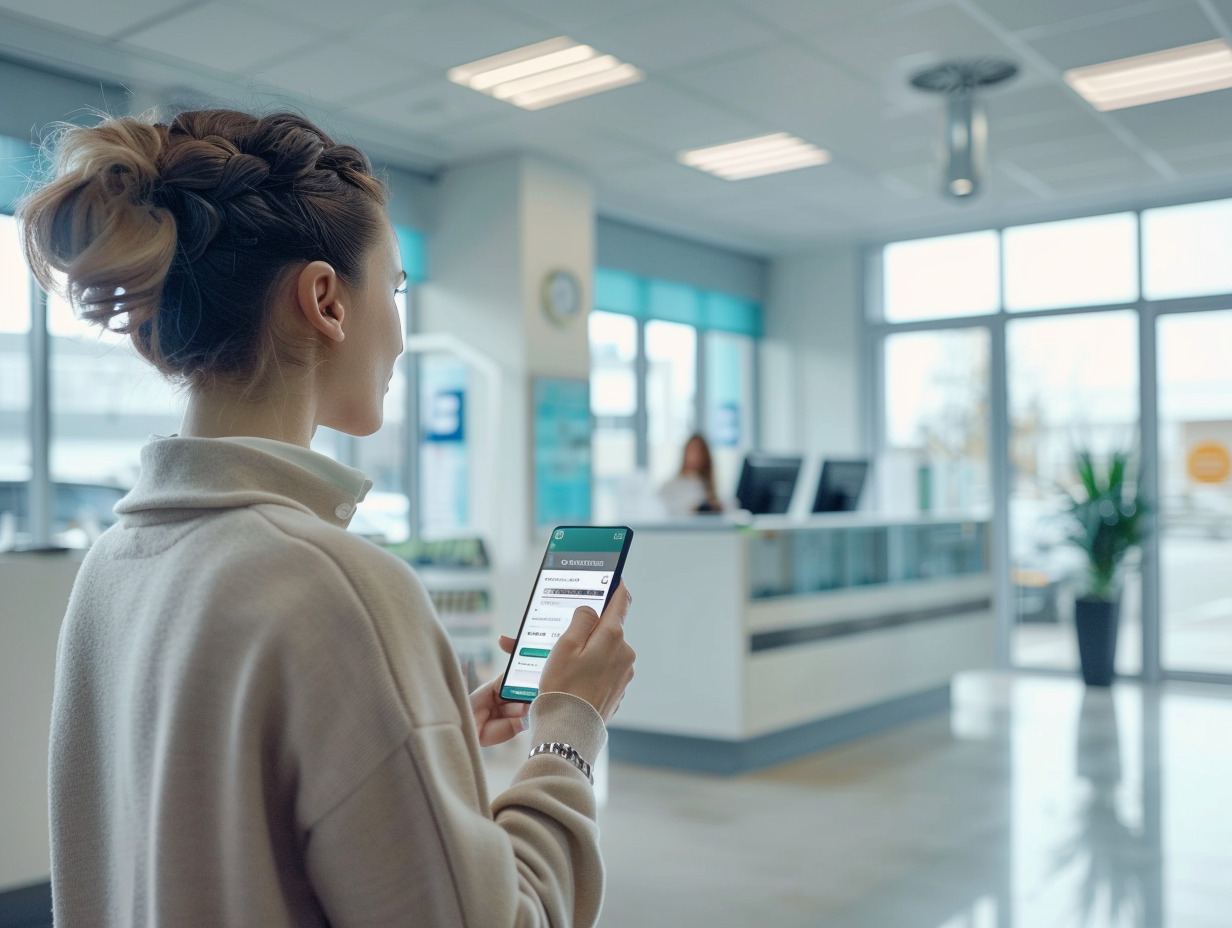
1037, 802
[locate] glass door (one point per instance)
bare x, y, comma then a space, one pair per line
1073, 384
1195, 517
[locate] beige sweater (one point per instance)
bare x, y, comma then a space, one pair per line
259, 721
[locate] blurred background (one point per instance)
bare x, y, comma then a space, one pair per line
953, 242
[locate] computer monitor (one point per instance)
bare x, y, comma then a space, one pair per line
840, 486
767, 483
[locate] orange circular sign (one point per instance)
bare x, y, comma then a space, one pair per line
1209, 462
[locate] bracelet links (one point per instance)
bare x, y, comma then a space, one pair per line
568, 752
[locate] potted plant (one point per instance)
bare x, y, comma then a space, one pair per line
1108, 522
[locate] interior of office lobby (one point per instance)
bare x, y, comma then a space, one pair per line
939, 633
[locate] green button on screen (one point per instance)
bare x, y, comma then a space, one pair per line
534, 652
519, 692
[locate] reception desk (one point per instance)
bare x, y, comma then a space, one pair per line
762, 642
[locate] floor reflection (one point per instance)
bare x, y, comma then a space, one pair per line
1118, 856
1037, 803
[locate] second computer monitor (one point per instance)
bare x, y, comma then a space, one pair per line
767, 483
840, 486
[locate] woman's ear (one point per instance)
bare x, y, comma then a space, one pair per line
318, 298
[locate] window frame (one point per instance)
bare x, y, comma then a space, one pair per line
639, 420
875, 329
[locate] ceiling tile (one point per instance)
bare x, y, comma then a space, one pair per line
1178, 24
1184, 123
664, 119
433, 106
888, 50
1023, 115
1120, 172
326, 14
1016, 15
679, 34
811, 20
1065, 164
105, 19
884, 138
669, 181
574, 14
549, 133
785, 88
1223, 11
223, 37
447, 34
1211, 160
333, 70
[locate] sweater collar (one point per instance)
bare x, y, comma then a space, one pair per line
179, 474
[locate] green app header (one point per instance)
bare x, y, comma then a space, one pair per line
587, 539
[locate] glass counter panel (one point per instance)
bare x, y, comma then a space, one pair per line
814, 560
866, 556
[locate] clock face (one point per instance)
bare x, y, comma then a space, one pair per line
562, 296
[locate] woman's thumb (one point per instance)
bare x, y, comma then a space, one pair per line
584, 621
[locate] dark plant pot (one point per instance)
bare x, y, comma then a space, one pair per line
1096, 621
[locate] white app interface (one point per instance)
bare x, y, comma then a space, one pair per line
568, 580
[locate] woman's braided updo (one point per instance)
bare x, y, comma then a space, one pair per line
177, 234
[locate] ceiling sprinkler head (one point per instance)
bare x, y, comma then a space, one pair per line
963, 74
966, 130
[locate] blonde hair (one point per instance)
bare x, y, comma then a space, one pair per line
176, 234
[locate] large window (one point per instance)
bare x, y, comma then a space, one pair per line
1195, 506
14, 356
1088, 350
614, 403
667, 360
941, 277
671, 394
1073, 383
936, 384
730, 411
1078, 262
14, 386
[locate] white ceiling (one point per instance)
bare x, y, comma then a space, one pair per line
831, 71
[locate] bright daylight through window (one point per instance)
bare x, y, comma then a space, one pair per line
1068, 329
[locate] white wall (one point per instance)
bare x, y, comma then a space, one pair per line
33, 596
810, 360
502, 224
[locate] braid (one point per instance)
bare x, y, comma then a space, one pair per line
177, 233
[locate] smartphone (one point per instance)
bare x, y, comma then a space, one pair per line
581, 567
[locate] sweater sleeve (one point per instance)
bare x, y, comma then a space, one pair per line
411, 845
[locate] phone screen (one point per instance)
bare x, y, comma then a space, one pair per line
581, 567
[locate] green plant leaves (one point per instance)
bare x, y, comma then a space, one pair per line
1108, 518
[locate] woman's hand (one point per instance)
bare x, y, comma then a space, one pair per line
496, 720
591, 659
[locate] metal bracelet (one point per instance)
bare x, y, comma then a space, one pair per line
567, 751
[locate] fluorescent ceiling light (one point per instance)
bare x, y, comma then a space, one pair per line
545, 73
765, 154
1174, 72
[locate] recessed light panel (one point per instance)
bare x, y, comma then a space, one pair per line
1166, 75
755, 157
545, 73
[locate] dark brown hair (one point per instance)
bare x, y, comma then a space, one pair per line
176, 234
706, 474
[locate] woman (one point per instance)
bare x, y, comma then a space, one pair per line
692, 490
258, 719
